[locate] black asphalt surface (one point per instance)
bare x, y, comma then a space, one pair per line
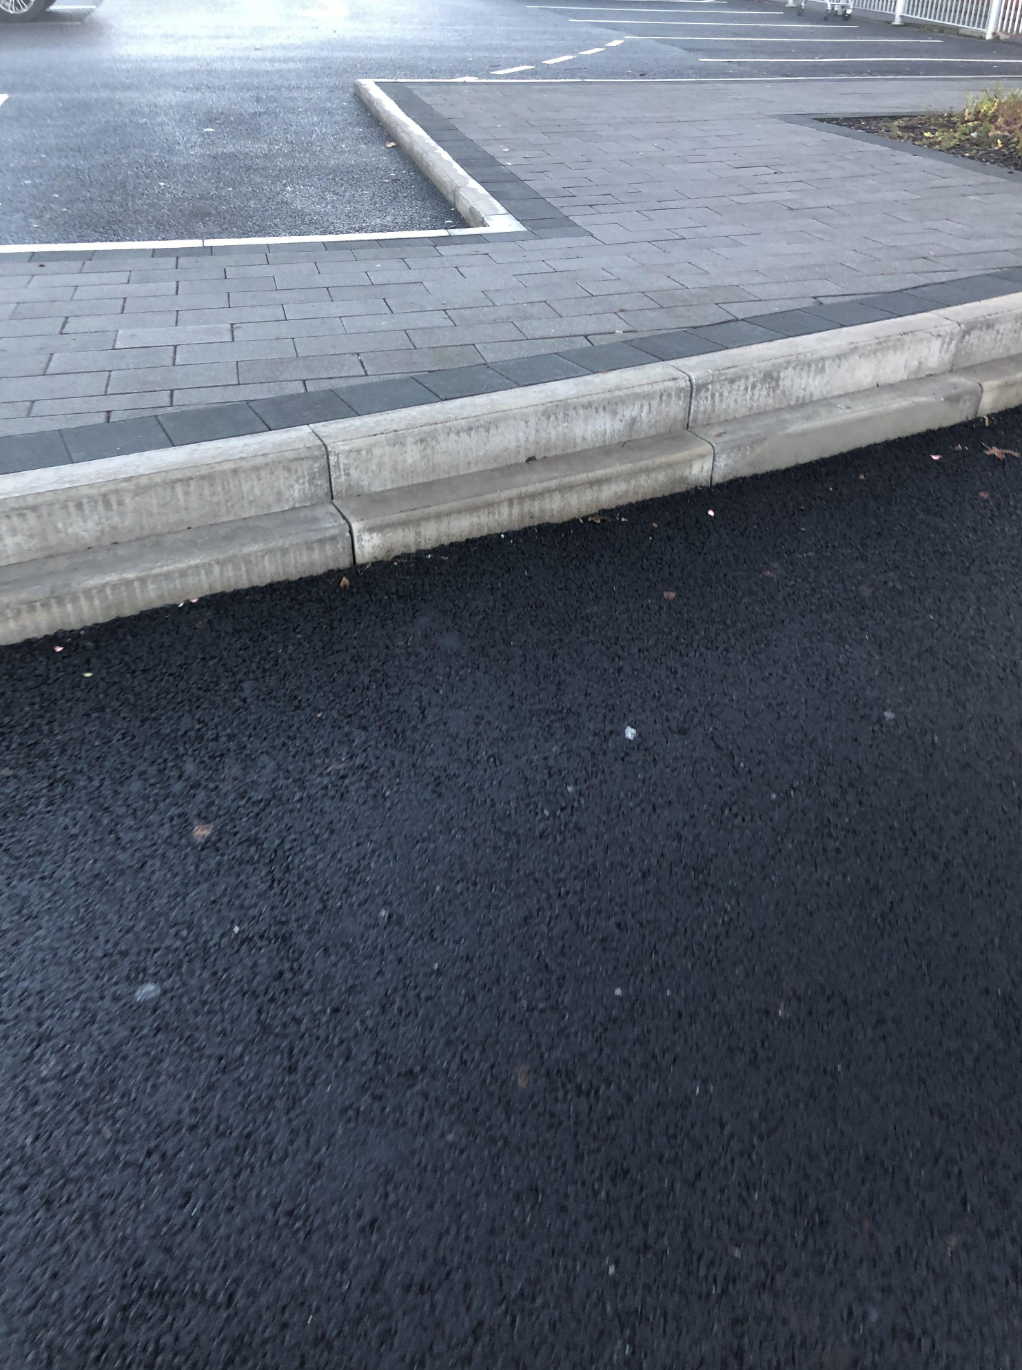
140, 121
370, 999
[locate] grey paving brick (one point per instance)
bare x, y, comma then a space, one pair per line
418, 360
341, 343
288, 411
153, 289
30, 451
672, 346
140, 311
528, 347
332, 309
96, 405
76, 279
793, 323
738, 333
103, 323
253, 349
52, 387
467, 333
241, 298
27, 328
375, 397
195, 318
36, 291
610, 357
456, 382
229, 394
52, 342
172, 377
61, 309
561, 328
290, 328
173, 336
109, 359
536, 370
115, 439
27, 363
210, 422
852, 312
299, 368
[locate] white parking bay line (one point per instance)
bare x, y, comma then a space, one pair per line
982, 61
552, 61
588, 52
708, 39
509, 71
3, 98
684, 23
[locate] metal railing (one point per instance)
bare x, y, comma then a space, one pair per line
987, 17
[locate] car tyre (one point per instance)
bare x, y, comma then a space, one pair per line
22, 11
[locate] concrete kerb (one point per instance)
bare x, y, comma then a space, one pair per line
107, 538
476, 205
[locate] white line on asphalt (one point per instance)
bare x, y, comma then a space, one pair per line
998, 61
712, 80
687, 23
693, 24
708, 39
6, 248
552, 61
588, 52
507, 71
3, 98
615, 43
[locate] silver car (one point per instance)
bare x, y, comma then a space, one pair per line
21, 11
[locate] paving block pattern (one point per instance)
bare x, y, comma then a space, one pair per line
661, 219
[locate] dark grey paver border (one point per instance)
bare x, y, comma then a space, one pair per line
176, 427
539, 219
825, 122
533, 211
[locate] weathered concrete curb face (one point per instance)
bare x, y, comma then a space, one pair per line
85, 543
475, 205
457, 437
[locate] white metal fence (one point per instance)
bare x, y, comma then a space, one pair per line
988, 17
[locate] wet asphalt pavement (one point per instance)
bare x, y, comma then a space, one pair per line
369, 998
141, 120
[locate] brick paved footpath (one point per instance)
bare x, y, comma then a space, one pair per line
689, 205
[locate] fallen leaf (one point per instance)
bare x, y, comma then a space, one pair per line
392, 145
345, 583
710, 512
201, 831
770, 575
1001, 453
958, 447
668, 594
58, 649
935, 456
983, 495
594, 518
87, 674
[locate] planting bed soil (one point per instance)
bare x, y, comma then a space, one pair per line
944, 133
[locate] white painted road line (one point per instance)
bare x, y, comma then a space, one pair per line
552, 61
615, 43
687, 23
508, 71
709, 39
3, 98
982, 61
588, 52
